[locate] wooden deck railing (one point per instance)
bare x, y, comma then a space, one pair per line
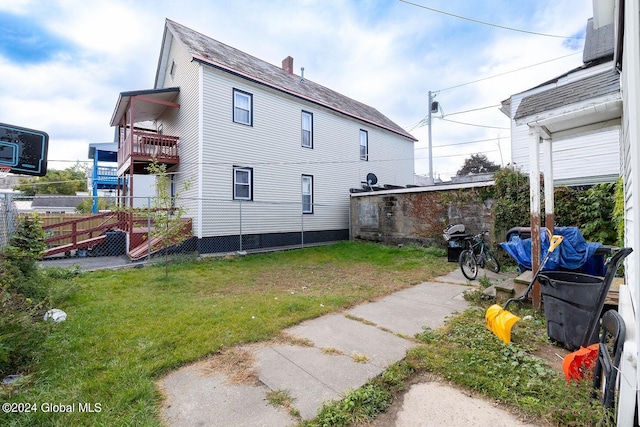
147, 145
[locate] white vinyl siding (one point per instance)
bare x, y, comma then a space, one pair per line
591, 158
307, 194
184, 123
242, 107
272, 148
307, 129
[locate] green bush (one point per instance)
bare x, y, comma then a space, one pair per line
618, 212
511, 192
595, 213
26, 291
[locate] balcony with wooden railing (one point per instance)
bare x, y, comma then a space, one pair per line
139, 148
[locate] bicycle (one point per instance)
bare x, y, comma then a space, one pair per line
477, 255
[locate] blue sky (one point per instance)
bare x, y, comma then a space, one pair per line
64, 62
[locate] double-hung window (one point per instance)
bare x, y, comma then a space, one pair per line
242, 107
307, 194
364, 145
307, 129
242, 183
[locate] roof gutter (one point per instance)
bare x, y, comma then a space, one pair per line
611, 105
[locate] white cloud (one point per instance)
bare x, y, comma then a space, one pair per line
386, 54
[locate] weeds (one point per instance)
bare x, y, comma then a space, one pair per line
465, 352
362, 405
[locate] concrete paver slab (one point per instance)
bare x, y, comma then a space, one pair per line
408, 312
445, 295
435, 404
194, 398
280, 374
457, 277
351, 336
310, 376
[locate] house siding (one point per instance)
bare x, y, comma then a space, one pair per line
272, 147
183, 122
597, 149
629, 396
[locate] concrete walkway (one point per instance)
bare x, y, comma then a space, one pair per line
341, 352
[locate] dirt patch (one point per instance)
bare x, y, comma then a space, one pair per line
237, 364
552, 354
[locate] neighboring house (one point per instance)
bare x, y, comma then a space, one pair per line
43, 203
103, 177
254, 140
584, 152
626, 16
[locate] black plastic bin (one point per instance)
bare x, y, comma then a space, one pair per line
116, 243
573, 302
570, 299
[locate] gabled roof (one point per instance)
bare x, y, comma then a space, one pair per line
596, 86
228, 59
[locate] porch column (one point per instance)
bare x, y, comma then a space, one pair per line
534, 202
549, 219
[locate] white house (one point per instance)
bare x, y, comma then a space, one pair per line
547, 131
626, 16
590, 155
254, 141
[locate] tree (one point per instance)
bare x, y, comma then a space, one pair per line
64, 182
477, 163
166, 217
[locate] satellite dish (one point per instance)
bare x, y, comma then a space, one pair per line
372, 179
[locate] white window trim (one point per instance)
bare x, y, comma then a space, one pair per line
310, 115
249, 171
364, 157
249, 96
302, 183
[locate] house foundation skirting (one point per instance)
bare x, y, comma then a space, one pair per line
233, 243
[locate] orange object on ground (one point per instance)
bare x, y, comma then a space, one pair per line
575, 365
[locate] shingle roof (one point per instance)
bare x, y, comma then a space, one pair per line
47, 201
598, 42
229, 59
602, 84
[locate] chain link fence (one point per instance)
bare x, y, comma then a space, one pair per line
129, 228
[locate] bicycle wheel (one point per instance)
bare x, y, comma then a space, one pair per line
468, 264
491, 262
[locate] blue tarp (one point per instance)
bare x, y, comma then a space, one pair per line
574, 253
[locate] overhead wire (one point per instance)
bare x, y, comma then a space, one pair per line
507, 72
474, 124
504, 27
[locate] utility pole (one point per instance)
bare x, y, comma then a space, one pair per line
430, 145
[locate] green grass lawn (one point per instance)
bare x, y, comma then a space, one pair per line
126, 328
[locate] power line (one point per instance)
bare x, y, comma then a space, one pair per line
473, 124
459, 143
475, 109
491, 24
506, 72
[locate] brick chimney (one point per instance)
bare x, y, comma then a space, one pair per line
287, 64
